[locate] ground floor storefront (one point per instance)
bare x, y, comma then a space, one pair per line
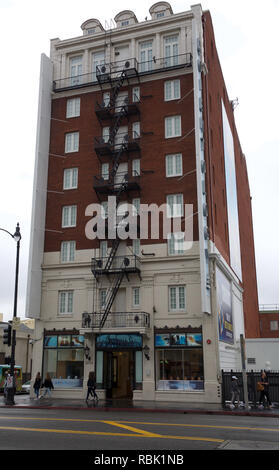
171, 367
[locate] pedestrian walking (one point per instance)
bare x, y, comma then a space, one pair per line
235, 391
37, 384
264, 392
48, 386
91, 387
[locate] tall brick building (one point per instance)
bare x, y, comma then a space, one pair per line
139, 114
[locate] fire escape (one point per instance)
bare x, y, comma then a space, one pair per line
113, 183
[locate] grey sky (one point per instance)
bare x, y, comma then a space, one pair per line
247, 42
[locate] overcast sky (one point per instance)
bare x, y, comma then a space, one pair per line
246, 33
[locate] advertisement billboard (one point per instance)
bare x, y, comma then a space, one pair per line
224, 305
231, 190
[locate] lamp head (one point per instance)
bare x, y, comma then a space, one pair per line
17, 234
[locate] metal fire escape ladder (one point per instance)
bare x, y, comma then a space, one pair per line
123, 185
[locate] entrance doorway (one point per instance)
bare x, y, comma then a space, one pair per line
119, 373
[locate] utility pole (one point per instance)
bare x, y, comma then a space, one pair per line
244, 373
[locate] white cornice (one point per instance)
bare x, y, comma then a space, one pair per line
129, 31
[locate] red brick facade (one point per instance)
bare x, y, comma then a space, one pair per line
155, 186
215, 91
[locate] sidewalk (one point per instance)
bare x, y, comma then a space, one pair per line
24, 401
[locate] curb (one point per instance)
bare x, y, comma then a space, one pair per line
148, 410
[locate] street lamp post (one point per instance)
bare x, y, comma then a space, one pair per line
17, 237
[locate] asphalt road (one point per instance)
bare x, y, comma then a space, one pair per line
31, 429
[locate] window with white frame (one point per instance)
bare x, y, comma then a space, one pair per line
177, 300
102, 298
172, 90
136, 167
73, 107
98, 59
68, 251
76, 70
136, 296
136, 130
105, 134
175, 205
174, 165
136, 246
136, 94
103, 249
175, 243
105, 171
136, 205
172, 126
70, 180
66, 302
145, 56
171, 50
69, 216
72, 142
274, 325
106, 98
104, 209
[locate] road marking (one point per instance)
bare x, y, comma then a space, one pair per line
136, 430
95, 433
237, 428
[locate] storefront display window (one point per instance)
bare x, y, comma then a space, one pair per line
179, 361
63, 360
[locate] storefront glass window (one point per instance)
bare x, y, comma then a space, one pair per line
64, 360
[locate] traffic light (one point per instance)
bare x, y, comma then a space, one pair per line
7, 336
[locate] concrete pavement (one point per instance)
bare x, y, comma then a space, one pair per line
25, 401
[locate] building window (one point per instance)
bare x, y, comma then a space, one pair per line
103, 248
105, 171
171, 51
104, 209
103, 296
66, 302
172, 127
136, 94
98, 59
76, 70
91, 30
145, 56
172, 90
105, 134
174, 165
176, 298
136, 296
160, 14
176, 243
70, 178
106, 98
73, 108
136, 206
274, 325
136, 246
69, 216
136, 167
136, 130
174, 205
63, 359
125, 23
72, 142
68, 251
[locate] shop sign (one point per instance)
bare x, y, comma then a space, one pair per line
116, 341
178, 339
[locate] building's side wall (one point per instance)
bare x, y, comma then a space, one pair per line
33, 297
263, 352
214, 93
265, 319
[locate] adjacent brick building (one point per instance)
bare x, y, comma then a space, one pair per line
141, 113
